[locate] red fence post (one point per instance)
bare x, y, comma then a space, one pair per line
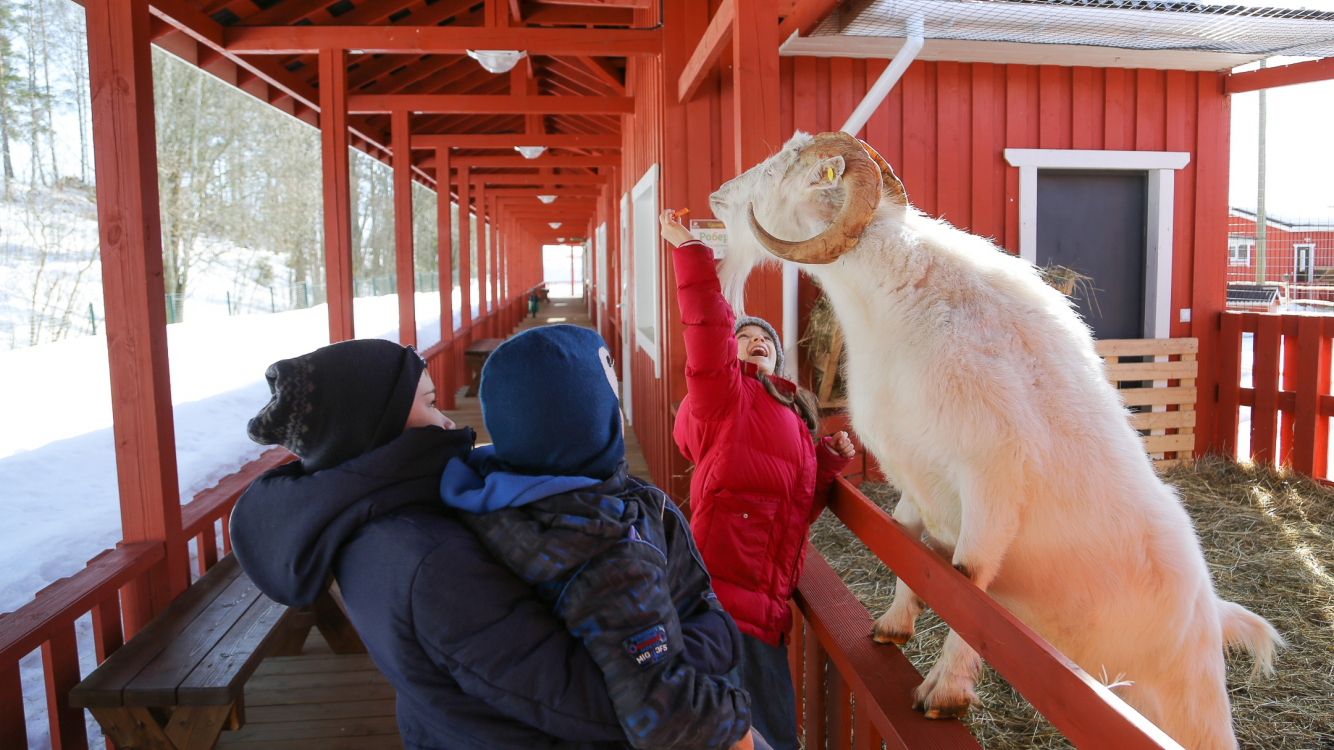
13, 724
445, 267
815, 687
1229, 385
120, 67
405, 265
1264, 414
60, 662
1310, 374
1287, 417
334, 143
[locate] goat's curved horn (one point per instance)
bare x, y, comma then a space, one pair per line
862, 185
889, 181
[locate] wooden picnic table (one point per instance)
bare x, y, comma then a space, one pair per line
179, 682
475, 355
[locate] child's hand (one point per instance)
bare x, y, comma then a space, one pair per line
747, 742
672, 231
841, 445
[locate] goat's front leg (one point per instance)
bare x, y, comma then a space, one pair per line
989, 524
947, 692
896, 625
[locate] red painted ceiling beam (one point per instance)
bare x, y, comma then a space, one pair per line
518, 162
1284, 75
592, 16
493, 104
804, 16
445, 40
707, 52
602, 3
510, 140
536, 180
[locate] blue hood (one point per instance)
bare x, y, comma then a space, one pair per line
480, 484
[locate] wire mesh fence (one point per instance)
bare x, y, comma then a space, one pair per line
1293, 269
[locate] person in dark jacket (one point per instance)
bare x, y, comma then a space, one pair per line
759, 480
611, 553
477, 660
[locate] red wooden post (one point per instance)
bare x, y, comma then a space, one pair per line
1286, 418
1311, 432
60, 662
795, 651
496, 270
107, 635
405, 265
1264, 414
465, 252
484, 301
445, 267
125, 155
13, 724
337, 193
757, 111
839, 707
1229, 385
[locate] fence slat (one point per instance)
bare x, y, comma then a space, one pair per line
838, 709
13, 724
206, 544
1083, 709
60, 662
1229, 385
1264, 415
107, 633
1310, 446
864, 736
1287, 417
814, 683
795, 652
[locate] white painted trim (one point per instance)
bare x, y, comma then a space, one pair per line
1015, 53
649, 182
1160, 167
1055, 158
791, 274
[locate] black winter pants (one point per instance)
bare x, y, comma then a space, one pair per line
763, 672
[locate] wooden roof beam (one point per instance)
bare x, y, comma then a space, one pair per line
710, 48
583, 16
446, 40
603, 71
641, 4
511, 140
803, 17
518, 162
483, 104
1283, 75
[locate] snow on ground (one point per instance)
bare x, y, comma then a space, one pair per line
57, 463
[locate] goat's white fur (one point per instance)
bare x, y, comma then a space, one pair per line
978, 389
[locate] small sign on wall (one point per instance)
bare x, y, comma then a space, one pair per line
711, 232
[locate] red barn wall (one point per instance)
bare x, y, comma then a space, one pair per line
1280, 255
944, 127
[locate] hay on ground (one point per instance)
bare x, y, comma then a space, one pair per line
1268, 537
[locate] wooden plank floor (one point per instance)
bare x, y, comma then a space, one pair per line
322, 700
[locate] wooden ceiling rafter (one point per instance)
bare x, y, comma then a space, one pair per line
576, 73
602, 70
588, 16
388, 77
452, 39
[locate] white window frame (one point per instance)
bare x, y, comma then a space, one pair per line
647, 242
600, 251
1160, 167
626, 304
1244, 243
1296, 257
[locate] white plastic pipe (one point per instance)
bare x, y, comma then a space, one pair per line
879, 90
907, 53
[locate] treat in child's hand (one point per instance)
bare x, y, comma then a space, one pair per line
678, 214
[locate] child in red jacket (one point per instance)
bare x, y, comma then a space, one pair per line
759, 479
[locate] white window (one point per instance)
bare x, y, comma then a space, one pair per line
600, 250
1239, 251
647, 242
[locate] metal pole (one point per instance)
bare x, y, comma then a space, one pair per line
1260, 245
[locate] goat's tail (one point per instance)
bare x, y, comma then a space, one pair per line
1245, 630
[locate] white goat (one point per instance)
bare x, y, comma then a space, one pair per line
977, 388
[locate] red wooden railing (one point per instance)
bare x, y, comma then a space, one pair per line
841, 662
1289, 397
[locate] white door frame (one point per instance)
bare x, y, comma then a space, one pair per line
1161, 168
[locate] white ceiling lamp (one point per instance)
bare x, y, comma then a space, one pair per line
546, 198
560, 239
497, 60
554, 224
531, 152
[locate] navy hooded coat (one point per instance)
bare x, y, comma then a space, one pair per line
477, 660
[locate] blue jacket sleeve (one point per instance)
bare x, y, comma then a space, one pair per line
504, 646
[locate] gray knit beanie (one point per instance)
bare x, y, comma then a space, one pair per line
751, 320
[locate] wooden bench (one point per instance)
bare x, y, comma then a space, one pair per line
475, 355
179, 682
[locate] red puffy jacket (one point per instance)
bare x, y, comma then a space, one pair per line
759, 480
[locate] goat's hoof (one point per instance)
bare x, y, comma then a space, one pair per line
895, 637
956, 711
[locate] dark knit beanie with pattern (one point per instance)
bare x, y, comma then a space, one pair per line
751, 320
549, 401
339, 401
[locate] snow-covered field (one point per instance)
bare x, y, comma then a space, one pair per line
57, 463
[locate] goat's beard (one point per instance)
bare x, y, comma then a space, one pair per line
743, 255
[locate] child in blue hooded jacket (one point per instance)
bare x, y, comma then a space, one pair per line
552, 500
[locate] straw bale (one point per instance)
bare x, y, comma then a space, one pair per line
1268, 537
818, 339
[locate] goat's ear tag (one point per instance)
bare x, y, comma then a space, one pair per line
827, 172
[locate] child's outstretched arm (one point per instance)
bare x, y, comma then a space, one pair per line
833, 453
713, 373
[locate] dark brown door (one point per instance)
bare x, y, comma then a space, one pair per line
1094, 222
